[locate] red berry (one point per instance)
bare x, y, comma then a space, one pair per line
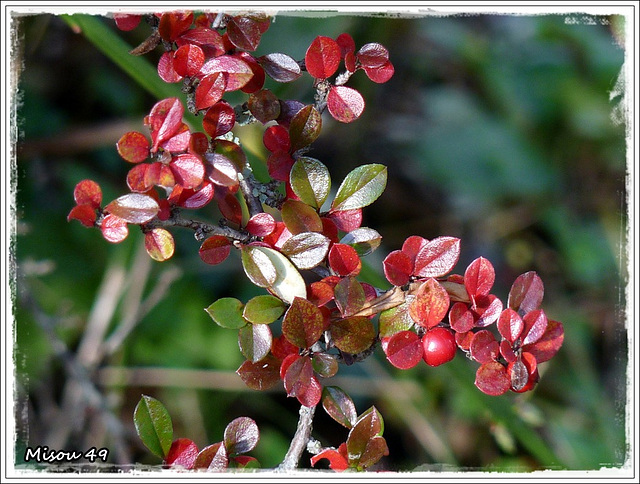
439, 346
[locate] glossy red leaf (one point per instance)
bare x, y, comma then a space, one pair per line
229, 206
311, 394
126, 22
133, 147
215, 249
535, 324
430, 305
484, 347
219, 119
280, 67
210, 90
404, 350
179, 142
397, 268
510, 325
372, 55
300, 217
330, 230
135, 208
244, 32
188, 59
209, 40
261, 375
306, 250
463, 340
549, 344
261, 224
526, 293
198, 143
337, 460
344, 260
305, 127
506, 350
114, 229
339, 406
461, 318
303, 323
479, 277
437, 257
349, 296
182, 453
254, 341
221, 170
353, 335
265, 106
347, 220
139, 180
88, 192
350, 61
367, 428
85, 214
380, 74
257, 79
159, 244
188, 170
412, 246
296, 372
241, 435
345, 104
281, 348
213, 458
172, 24
487, 310
276, 139
193, 199
320, 293
346, 44
166, 69
164, 120
322, 57
237, 71
492, 379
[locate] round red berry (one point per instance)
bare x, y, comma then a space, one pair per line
439, 346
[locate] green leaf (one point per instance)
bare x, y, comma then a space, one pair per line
303, 323
339, 406
255, 341
227, 312
269, 268
361, 187
310, 181
153, 425
307, 249
394, 320
353, 335
263, 309
299, 217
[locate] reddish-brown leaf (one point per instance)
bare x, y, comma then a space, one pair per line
257, 79
172, 24
133, 147
300, 217
209, 40
261, 375
261, 224
303, 323
347, 220
134, 208
244, 32
219, 119
311, 394
297, 374
526, 293
213, 457
353, 335
221, 170
241, 435
215, 249
372, 55
280, 67
349, 296
345, 104
305, 127
492, 379
487, 310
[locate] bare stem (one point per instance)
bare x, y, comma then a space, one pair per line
246, 186
300, 440
202, 229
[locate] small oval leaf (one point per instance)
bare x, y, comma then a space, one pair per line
361, 187
153, 425
227, 312
134, 208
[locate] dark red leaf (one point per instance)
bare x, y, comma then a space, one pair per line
188, 60
437, 257
484, 347
198, 143
461, 318
506, 350
265, 107
320, 293
221, 170
183, 453
190, 198
535, 324
261, 375
241, 436
526, 293
324, 364
257, 80
303, 323
85, 214
126, 22
404, 350
510, 325
88, 192
380, 74
215, 249
281, 347
172, 24
376, 449
276, 139
231, 151
430, 305
311, 394
166, 69
305, 127
219, 119
298, 372
548, 345
229, 206
188, 170
349, 296
344, 260
322, 57
114, 229
479, 278
339, 406
210, 90
372, 55
397, 268
288, 109
345, 104
237, 71
244, 32
133, 147
280, 67
492, 379
368, 426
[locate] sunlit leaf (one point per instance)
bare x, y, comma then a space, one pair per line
254, 341
263, 309
526, 293
394, 320
241, 436
353, 335
280, 67
337, 461
164, 120
305, 127
183, 453
114, 229
430, 305
244, 32
344, 260
261, 375
339, 406
237, 72
297, 374
349, 296
303, 323
324, 364
213, 457
188, 59
219, 119
310, 181
345, 104
85, 214
484, 347
363, 239
215, 249
166, 70
322, 57
261, 224
134, 208
373, 55
300, 217
361, 187
404, 350
210, 90
368, 426
492, 379
133, 147
461, 319
437, 257
153, 425
510, 325
535, 324
307, 249
159, 244
479, 277
380, 74
227, 312
549, 344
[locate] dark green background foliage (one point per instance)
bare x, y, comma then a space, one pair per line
498, 129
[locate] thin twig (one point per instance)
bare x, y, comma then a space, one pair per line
299, 441
246, 186
202, 229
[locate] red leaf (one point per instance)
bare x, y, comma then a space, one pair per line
305, 127
244, 32
303, 323
479, 278
346, 44
237, 71
461, 318
133, 147
221, 170
257, 80
164, 120
215, 249
297, 371
345, 104
134, 208
188, 60
463, 340
281, 347
484, 347
492, 379
397, 268
198, 144
488, 309
190, 198
280, 67
506, 350
213, 458
412, 246
337, 461
404, 350
172, 24
430, 305
372, 55
188, 170
114, 229
535, 324
510, 325
347, 220
344, 260
88, 192
138, 179
126, 22
219, 119
85, 214
166, 70
320, 293
549, 344
210, 41
183, 453
229, 206
437, 257
380, 74
276, 138
261, 375
261, 224
179, 142
322, 57
311, 394
349, 296
526, 293
210, 90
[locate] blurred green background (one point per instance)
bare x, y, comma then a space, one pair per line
504, 130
